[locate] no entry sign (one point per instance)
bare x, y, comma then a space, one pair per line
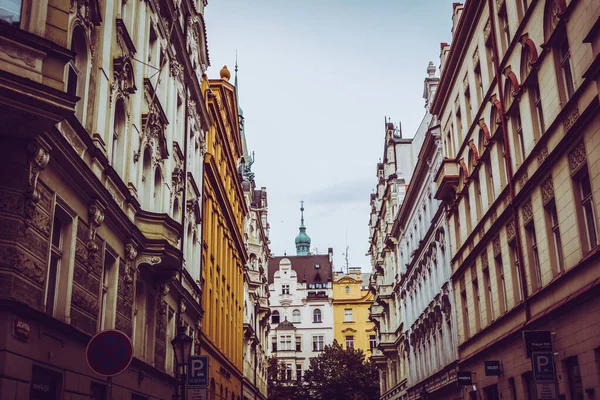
109, 353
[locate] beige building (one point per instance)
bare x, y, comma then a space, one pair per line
518, 108
102, 144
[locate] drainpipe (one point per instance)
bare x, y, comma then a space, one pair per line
508, 162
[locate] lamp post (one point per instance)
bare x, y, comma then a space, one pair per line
182, 347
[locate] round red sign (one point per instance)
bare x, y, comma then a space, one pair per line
109, 352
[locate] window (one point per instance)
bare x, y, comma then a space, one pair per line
285, 342
317, 315
489, 304
372, 342
478, 83
565, 65
97, 391
468, 213
469, 109
298, 372
590, 237
459, 126
529, 385
350, 342
347, 289
517, 126
535, 102
501, 161
318, 343
477, 302
516, 272
275, 317
107, 295
10, 11
554, 237
119, 132
274, 344
296, 316
478, 195
77, 75
157, 196
288, 372
489, 173
512, 388
348, 315
465, 311
505, 34
534, 257
146, 177
60, 258
285, 289
298, 343
45, 384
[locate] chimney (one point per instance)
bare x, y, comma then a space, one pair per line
330, 254
444, 49
457, 9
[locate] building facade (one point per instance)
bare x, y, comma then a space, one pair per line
392, 174
518, 109
301, 302
256, 289
352, 300
224, 253
101, 161
420, 228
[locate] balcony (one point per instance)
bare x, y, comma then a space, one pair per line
317, 295
160, 252
387, 342
447, 179
376, 311
385, 292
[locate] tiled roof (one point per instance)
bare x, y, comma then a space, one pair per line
305, 268
285, 326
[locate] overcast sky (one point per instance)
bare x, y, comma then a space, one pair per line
316, 79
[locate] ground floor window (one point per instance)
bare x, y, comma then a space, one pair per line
46, 384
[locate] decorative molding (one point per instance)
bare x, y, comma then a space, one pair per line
487, 30
484, 260
527, 211
547, 191
577, 158
96, 218
524, 179
476, 57
497, 248
130, 267
510, 230
542, 155
475, 152
570, 117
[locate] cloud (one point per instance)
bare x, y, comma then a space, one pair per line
342, 193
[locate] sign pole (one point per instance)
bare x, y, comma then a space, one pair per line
108, 393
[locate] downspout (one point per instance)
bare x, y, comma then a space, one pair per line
508, 162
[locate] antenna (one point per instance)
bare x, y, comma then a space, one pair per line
346, 254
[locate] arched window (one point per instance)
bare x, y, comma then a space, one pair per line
157, 206
296, 316
78, 66
317, 315
176, 210
531, 84
275, 317
347, 289
213, 389
119, 132
146, 178
559, 43
514, 113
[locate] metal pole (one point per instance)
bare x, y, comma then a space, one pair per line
183, 391
108, 393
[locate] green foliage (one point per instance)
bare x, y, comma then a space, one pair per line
338, 374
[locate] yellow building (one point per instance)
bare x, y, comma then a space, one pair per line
351, 302
223, 251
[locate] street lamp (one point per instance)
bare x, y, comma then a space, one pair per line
182, 347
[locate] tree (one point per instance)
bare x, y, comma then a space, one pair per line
338, 374
279, 388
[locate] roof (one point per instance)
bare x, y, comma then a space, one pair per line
285, 326
305, 267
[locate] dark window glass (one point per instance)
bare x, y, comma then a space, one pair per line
45, 384
10, 11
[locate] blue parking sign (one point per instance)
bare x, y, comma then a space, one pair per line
543, 366
198, 371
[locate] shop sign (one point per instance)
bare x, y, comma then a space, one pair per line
537, 341
492, 368
464, 378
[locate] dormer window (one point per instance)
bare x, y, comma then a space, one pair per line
317, 266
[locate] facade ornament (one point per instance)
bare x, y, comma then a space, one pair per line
476, 57
577, 158
510, 230
39, 156
496, 246
176, 70
542, 155
527, 211
547, 191
96, 218
130, 269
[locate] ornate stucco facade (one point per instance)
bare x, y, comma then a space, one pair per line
518, 106
224, 253
104, 124
352, 301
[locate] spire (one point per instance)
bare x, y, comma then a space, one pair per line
235, 82
302, 240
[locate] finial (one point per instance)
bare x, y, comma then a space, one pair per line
302, 213
225, 74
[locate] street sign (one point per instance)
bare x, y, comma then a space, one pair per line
492, 368
197, 394
464, 378
546, 391
542, 363
198, 371
109, 353
537, 341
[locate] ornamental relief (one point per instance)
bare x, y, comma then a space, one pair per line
547, 191
577, 158
570, 117
510, 230
527, 211
542, 155
13, 257
496, 246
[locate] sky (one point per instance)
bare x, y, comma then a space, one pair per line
316, 80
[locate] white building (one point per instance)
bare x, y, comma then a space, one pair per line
301, 302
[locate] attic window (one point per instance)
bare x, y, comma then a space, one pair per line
317, 266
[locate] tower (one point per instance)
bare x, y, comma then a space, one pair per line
302, 240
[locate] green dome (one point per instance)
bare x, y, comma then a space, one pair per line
302, 237
302, 240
